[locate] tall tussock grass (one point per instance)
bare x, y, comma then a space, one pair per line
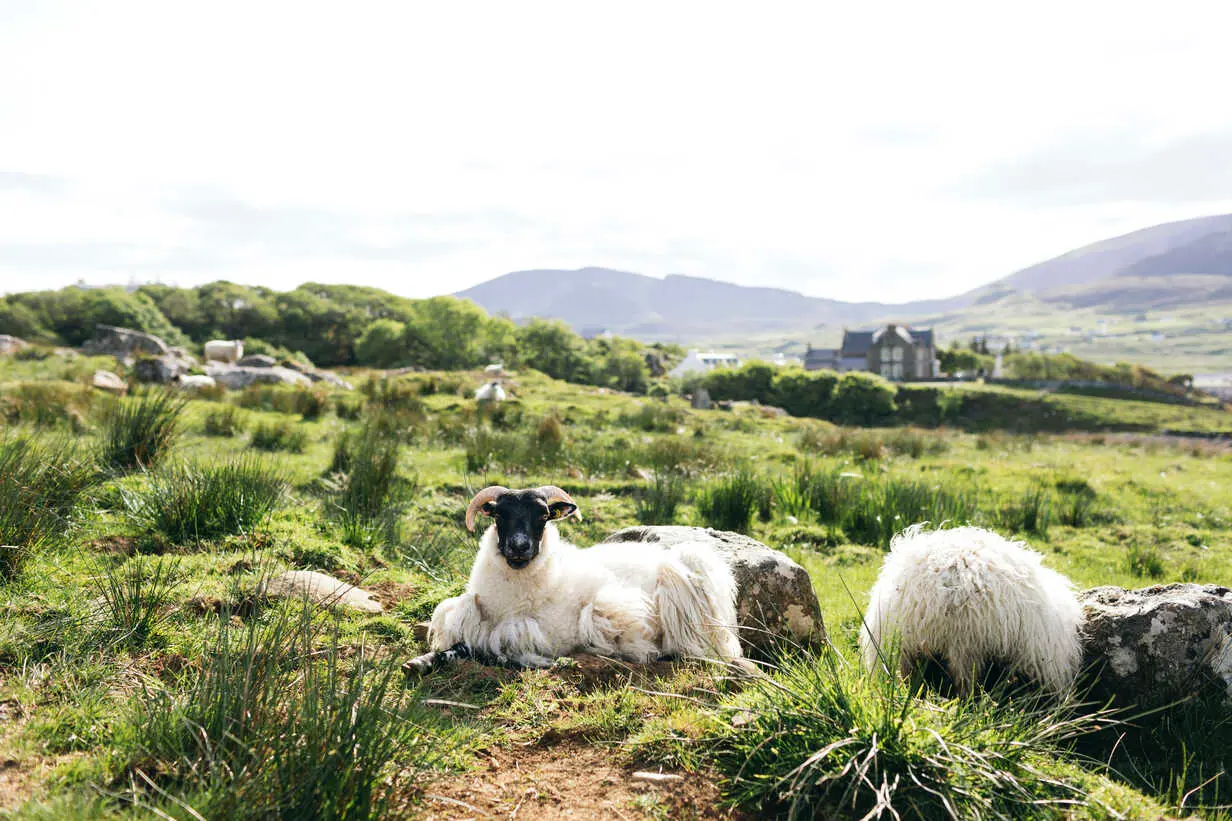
46, 404
277, 725
40, 484
821, 739
188, 501
655, 503
367, 492
730, 502
139, 432
279, 436
226, 420
135, 597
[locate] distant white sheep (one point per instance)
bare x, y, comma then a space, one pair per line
491, 392
196, 382
224, 350
968, 597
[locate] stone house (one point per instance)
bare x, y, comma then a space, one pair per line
895, 352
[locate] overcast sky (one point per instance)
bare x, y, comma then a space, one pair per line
886, 150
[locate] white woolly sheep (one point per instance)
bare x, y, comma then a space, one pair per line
224, 350
968, 598
533, 597
195, 382
491, 392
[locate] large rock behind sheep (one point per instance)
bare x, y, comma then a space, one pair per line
1154, 646
124, 344
775, 602
236, 377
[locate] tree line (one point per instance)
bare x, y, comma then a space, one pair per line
334, 326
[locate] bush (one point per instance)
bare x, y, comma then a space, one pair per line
39, 488
279, 436
728, 503
862, 399
223, 421
655, 502
138, 433
804, 393
653, 417
187, 501
311, 404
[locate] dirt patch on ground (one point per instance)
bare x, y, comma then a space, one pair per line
390, 593
567, 780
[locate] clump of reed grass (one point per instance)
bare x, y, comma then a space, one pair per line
40, 484
729, 502
1144, 561
820, 738
226, 420
139, 432
135, 597
367, 491
279, 436
188, 501
1031, 512
655, 502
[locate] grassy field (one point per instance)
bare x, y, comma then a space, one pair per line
141, 674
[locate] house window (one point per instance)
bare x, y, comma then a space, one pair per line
885, 354
898, 354
898, 368
885, 370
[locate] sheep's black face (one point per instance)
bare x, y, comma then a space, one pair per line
521, 516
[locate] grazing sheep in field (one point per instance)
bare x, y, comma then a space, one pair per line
968, 598
491, 392
196, 382
224, 350
533, 597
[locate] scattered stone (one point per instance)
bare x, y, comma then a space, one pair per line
1153, 646
159, 369
656, 778
124, 344
11, 344
701, 400
109, 382
320, 588
236, 377
257, 360
775, 602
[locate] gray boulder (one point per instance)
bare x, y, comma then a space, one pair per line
776, 606
1154, 646
234, 377
109, 382
319, 588
701, 399
124, 344
257, 360
159, 369
11, 344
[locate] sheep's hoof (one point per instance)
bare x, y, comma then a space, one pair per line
420, 665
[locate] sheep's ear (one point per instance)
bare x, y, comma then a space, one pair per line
563, 510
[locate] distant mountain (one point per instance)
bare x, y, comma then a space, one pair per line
1182, 266
673, 308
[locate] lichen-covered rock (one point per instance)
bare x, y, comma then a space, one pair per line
257, 360
109, 382
11, 344
124, 344
1153, 646
234, 377
320, 588
775, 603
159, 369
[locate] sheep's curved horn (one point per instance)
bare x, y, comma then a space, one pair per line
484, 496
554, 494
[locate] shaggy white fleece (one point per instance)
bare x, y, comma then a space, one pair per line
631, 601
968, 596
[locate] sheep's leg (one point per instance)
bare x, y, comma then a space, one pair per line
457, 620
619, 622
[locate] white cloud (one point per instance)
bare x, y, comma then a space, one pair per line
869, 151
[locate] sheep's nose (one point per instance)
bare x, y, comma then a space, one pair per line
519, 545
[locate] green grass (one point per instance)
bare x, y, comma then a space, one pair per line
188, 501
112, 668
139, 432
40, 484
279, 436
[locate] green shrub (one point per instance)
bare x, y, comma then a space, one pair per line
39, 488
279, 436
348, 408
188, 501
862, 399
311, 403
139, 432
656, 501
729, 502
226, 420
804, 393
653, 417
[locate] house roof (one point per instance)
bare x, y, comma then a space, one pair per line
857, 343
820, 356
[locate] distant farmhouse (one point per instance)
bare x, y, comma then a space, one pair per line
701, 362
895, 352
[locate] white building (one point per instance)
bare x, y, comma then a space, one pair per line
701, 362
